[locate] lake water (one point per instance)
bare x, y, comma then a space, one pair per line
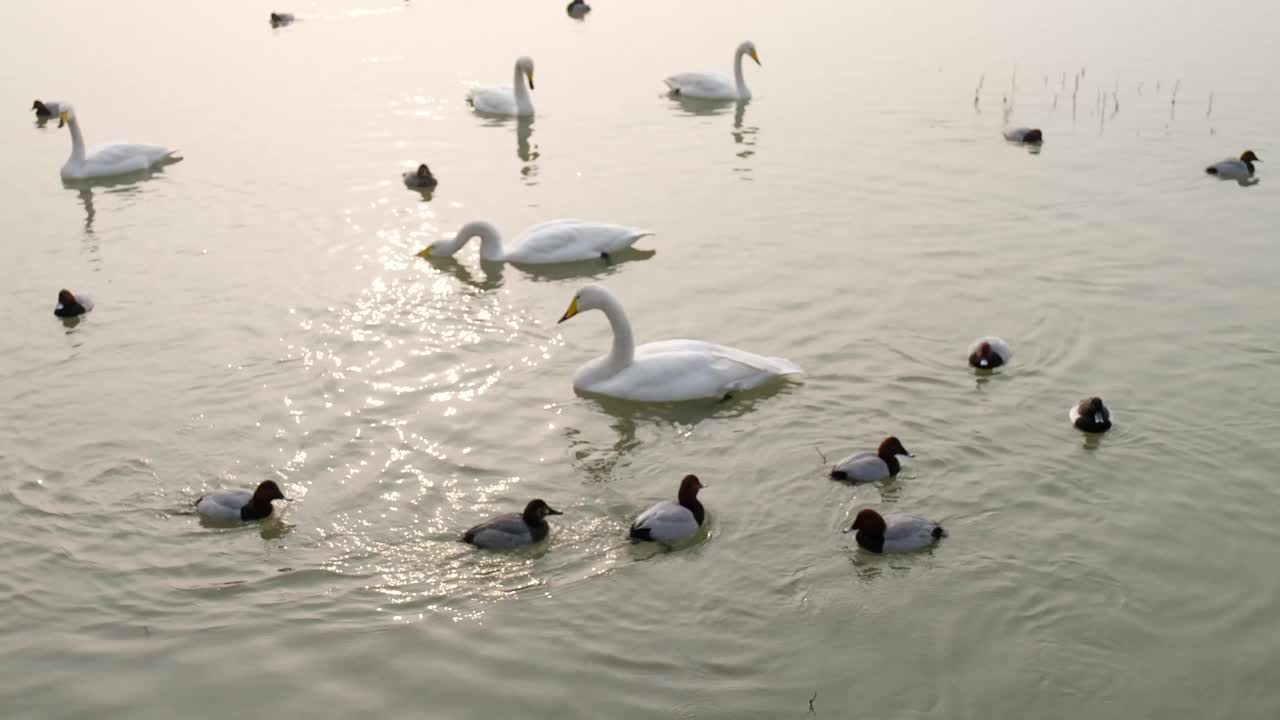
261, 314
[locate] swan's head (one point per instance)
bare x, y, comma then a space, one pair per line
591, 297
1249, 157
67, 115
536, 510
525, 65
748, 48
450, 247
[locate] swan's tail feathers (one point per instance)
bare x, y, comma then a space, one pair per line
172, 156
1211, 170
786, 367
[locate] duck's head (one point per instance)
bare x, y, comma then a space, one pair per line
1094, 409
424, 172
982, 357
525, 65
689, 488
1249, 157
536, 510
891, 446
1033, 136
66, 298
67, 115
748, 48
267, 491
591, 297
869, 521
39, 107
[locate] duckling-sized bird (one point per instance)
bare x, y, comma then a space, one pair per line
989, 353
1232, 169
1090, 415
281, 19
869, 466
240, 505
669, 522
46, 110
578, 9
895, 532
420, 179
71, 305
1026, 136
512, 529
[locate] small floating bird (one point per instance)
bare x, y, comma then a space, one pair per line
240, 505
554, 241
281, 19
512, 529
107, 160
669, 522
1232, 169
870, 466
989, 353
506, 100
47, 109
578, 9
1027, 136
420, 179
1090, 415
710, 86
71, 305
668, 370
894, 532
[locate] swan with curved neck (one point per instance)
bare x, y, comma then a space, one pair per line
667, 370
556, 241
514, 101
710, 86
107, 160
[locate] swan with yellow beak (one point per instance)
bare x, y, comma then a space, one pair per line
107, 160
710, 86
510, 101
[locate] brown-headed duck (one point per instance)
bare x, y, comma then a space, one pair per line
1232, 169
1090, 415
894, 532
71, 305
870, 466
668, 522
989, 353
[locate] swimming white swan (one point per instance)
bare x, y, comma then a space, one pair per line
668, 370
505, 100
555, 241
106, 160
709, 86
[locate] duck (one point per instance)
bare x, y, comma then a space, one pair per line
281, 19
870, 466
578, 9
107, 160
47, 110
420, 179
989, 353
895, 532
240, 505
710, 86
71, 305
669, 522
554, 241
512, 530
667, 370
1027, 136
1090, 415
1232, 169
506, 100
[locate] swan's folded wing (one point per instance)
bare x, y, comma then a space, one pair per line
120, 153
571, 240
675, 370
702, 85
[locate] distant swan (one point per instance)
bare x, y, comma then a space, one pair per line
709, 86
107, 160
507, 100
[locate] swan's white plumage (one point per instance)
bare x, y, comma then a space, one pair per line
512, 101
667, 522
107, 160
667, 370
711, 86
554, 241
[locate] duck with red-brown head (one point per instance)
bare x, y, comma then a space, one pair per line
1233, 169
71, 305
895, 532
511, 530
867, 466
670, 522
1090, 415
989, 353
236, 506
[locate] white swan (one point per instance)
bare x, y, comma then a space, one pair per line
668, 370
106, 160
554, 241
505, 100
709, 86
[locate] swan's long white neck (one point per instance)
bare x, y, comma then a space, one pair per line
624, 343
743, 92
77, 140
523, 103
490, 241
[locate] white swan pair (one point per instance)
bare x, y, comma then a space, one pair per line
106, 160
668, 370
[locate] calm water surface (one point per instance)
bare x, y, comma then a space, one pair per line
261, 314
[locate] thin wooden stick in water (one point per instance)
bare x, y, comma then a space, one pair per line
815, 697
1210, 110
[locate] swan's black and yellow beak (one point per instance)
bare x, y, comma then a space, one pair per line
573, 310
62, 118
426, 252
755, 57
529, 74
